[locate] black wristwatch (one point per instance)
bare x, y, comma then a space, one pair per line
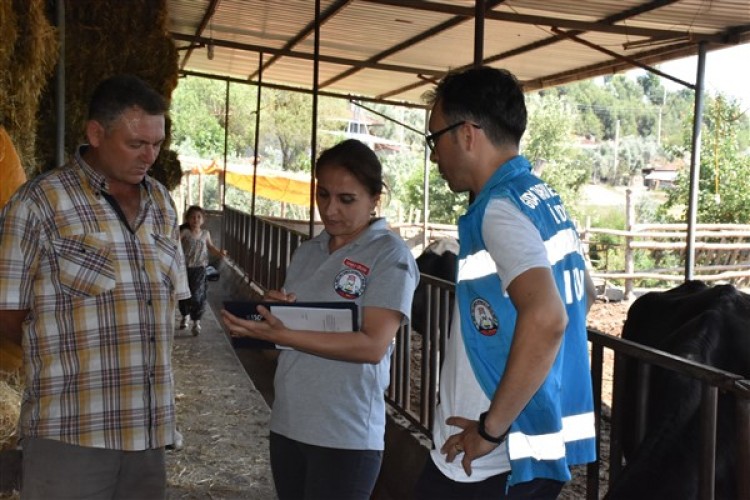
487, 437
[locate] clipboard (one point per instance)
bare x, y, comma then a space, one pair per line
316, 316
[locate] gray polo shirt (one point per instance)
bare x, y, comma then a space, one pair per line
340, 404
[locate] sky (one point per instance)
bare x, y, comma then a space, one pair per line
727, 71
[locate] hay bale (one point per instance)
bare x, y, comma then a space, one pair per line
33, 54
105, 38
8, 27
11, 389
10, 409
167, 169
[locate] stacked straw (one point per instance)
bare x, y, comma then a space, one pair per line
28, 53
105, 38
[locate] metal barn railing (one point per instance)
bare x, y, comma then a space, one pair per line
262, 247
415, 364
712, 381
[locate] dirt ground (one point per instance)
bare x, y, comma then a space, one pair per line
223, 419
608, 317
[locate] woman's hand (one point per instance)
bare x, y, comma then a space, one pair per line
263, 330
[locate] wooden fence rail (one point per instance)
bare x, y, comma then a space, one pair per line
722, 252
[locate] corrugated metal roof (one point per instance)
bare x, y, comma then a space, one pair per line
393, 49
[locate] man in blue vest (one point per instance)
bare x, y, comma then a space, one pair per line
515, 408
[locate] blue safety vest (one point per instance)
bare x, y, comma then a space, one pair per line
556, 428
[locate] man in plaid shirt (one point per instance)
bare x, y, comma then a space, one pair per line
91, 270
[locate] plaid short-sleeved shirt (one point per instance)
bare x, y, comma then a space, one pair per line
98, 340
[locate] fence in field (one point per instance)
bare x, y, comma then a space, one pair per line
647, 255
657, 252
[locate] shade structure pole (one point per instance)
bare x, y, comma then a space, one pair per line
226, 144
479, 8
479, 32
314, 134
695, 163
426, 187
256, 139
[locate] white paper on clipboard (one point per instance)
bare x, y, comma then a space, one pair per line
311, 316
315, 318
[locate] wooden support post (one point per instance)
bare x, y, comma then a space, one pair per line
629, 257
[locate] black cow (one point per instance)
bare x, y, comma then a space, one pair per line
709, 325
439, 260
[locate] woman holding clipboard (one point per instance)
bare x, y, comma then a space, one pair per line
328, 417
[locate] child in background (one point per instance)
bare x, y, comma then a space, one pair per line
196, 245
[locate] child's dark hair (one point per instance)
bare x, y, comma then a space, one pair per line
192, 209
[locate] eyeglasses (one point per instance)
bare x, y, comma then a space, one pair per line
432, 138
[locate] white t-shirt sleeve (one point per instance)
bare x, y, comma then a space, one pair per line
512, 240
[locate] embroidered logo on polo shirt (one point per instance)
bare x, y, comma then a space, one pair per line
483, 317
356, 265
350, 283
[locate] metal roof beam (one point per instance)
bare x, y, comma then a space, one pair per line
210, 10
304, 33
306, 56
620, 16
676, 51
626, 59
302, 90
411, 41
511, 17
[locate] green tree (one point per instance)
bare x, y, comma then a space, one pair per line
589, 98
445, 206
399, 169
627, 102
724, 172
242, 117
290, 115
199, 116
548, 145
197, 113
550, 128
676, 113
652, 88
286, 141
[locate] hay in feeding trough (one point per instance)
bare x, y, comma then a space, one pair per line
11, 388
10, 409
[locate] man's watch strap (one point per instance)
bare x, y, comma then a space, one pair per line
483, 432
